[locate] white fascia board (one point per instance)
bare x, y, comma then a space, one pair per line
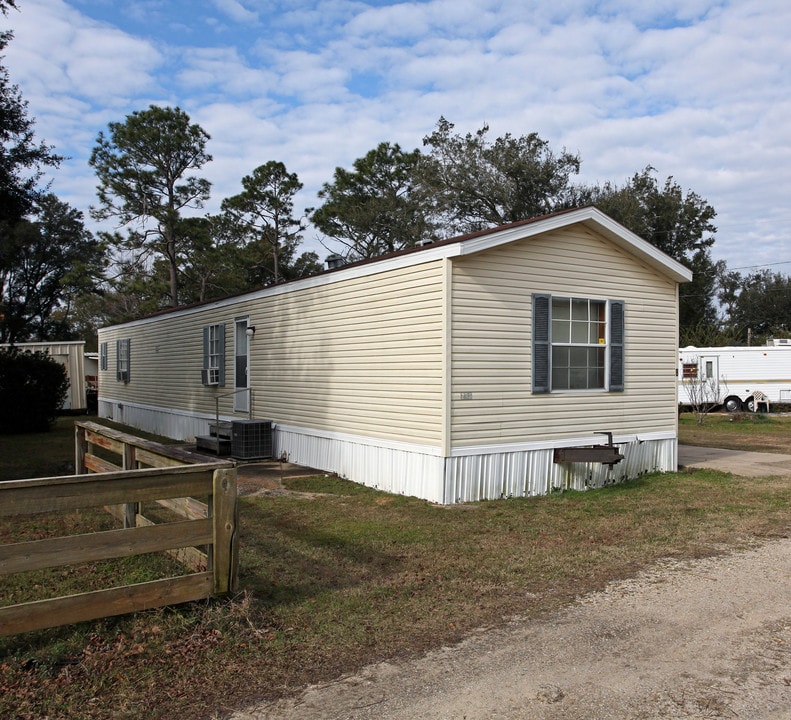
597, 221
41, 344
635, 244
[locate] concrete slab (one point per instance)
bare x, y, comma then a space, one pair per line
268, 475
738, 462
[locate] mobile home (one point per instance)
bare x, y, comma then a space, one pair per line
737, 375
451, 371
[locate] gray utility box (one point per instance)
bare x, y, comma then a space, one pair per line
251, 439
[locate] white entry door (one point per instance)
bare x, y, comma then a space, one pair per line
710, 372
241, 398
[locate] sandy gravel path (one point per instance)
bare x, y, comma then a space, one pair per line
708, 638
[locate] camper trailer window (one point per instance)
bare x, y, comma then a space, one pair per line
690, 371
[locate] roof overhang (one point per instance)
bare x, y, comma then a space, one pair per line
590, 217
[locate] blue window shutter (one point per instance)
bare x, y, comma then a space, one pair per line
205, 370
616, 345
541, 343
221, 351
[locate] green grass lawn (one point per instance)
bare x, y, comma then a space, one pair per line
738, 431
38, 454
334, 575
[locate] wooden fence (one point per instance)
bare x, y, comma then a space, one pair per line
146, 471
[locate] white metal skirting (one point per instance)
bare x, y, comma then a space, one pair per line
390, 467
421, 471
175, 424
467, 478
532, 472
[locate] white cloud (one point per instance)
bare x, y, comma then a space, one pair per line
95, 60
236, 11
700, 89
213, 72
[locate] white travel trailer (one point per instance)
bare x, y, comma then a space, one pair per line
738, 378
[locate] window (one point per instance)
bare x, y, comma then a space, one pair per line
213, 372
577, 344
122, 352
103, 356
689, 371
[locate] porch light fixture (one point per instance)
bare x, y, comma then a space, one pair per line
250, 331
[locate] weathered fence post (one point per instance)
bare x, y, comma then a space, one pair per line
130, 509
224, 555
80, 448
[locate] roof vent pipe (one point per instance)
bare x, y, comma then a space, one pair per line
334, 261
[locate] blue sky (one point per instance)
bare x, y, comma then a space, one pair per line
699, 89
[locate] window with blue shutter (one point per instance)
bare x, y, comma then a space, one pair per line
541, 324
578, 344
616, 346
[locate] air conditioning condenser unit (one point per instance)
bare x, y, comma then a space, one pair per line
251, 439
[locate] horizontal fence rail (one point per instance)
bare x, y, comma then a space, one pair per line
174, 479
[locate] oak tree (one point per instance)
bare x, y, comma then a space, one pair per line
55, 260
474, 183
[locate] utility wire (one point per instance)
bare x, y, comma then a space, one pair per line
760, 265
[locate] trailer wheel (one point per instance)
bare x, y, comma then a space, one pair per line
732, 404
749, 404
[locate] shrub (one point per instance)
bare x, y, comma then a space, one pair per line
33, 387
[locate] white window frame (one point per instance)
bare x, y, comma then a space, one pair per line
213, 372
566, 334
612, 340
123, 348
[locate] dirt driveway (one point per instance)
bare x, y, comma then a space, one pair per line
706, 638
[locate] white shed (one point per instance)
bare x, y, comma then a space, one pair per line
70, 354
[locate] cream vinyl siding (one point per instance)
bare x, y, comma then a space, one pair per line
491, 398
165, 362
362, 356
